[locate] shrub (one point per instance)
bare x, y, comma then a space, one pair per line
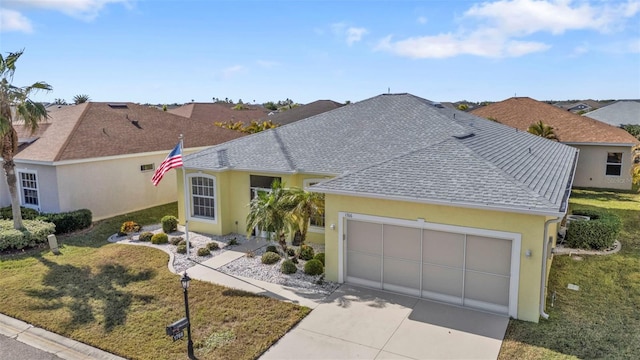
288, 267
306, 252
291, 252
35, 232
169, 224
160, 238
232, 242
320, 257
176, 240
145, 236
129, 227
270, 258
313, 267
213, 246
203, 252
27, 213
182, 249
598, 233
272, 248
71, 221
184, 242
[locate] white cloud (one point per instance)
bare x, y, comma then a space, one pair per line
86, 10
499, 28
231, 71
349, 33
267, 64
11, 20
422, 20
355, 34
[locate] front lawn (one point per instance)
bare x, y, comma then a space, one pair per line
120, 298
602, 319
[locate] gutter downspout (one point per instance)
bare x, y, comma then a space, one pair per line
564, 208
543, 276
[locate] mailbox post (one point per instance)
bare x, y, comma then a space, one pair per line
185, 286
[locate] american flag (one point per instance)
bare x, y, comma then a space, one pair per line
172, 161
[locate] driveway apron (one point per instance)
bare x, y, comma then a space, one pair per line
359, 323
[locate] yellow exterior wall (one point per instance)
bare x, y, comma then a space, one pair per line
592, 164
531, 228
233, 197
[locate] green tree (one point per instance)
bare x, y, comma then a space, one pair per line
269, 211
633, 130
15, 102
59, 102
80, 98
270, 105
541, 129
463, 107
303, 205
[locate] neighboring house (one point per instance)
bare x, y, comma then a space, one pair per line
620, 113
605, 150
219, 112
579, 106
302, 112
102, 156
419, 199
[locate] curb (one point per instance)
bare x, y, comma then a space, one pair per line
52, 343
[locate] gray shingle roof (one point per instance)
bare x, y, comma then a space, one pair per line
401, 146
618, 113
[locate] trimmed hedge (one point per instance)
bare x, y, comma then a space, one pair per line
313, 267
306, 252
71, 221
160, 238
598, 233
169, 224
288, 267
65, 222
270, 258
35, 232
320, 257
129, 227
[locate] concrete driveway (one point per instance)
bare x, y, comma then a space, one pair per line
358, 323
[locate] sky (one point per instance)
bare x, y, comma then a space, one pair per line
165, 52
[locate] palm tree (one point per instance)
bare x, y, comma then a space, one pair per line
81, 98
543, 130
269, 211
15, 100
304, 205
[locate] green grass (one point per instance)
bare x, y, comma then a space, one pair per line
120, 298
602, 319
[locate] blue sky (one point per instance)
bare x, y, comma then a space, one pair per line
162, 51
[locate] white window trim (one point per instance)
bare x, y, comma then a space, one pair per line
305, 184
20, 188
190, 215
607, 163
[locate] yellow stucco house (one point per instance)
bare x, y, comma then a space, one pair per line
101, 156
419, 199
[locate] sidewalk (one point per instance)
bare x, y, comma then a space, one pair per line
52, 343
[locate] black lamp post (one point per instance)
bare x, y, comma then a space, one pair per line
185, 286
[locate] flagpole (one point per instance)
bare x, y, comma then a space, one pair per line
186, 197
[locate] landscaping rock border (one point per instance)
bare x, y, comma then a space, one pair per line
562, 250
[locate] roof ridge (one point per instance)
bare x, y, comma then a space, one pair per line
72, 132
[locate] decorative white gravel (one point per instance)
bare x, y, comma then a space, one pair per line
246, 266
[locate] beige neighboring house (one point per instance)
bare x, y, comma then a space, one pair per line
101, 156
605, 151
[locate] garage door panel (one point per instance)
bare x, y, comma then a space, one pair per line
364, 237
402, 242
488, 255
443, 248
402, 273
486, 288
443, 280
364, 266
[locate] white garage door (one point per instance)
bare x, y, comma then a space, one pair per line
456, 267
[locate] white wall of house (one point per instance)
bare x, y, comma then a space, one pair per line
115, 186
592, 167
5, 197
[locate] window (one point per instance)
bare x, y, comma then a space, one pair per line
203, 199
317, 220
146, 167
614, 164
29, 189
